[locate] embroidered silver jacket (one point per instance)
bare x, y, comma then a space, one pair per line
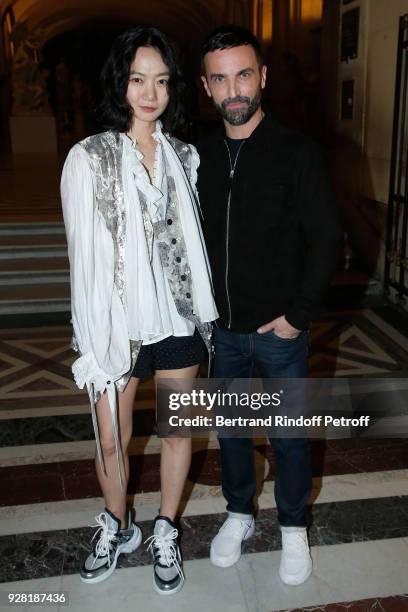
105, 153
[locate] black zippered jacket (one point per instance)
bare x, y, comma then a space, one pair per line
273, 253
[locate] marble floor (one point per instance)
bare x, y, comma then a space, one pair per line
49, 494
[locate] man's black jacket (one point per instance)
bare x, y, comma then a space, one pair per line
284, 232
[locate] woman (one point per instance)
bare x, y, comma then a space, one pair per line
140, 284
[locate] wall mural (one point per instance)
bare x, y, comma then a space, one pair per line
29, 79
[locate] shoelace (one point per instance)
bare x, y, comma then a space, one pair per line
102, 547
166, 549
295, 542
235, 527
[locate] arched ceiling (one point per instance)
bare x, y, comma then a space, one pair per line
183, 19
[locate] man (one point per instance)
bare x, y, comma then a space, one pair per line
272, 235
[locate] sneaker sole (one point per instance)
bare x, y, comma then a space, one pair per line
228, 561
130, 547
172, 592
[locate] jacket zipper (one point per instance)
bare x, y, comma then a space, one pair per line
231, 177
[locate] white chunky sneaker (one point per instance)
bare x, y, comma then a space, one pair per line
226, 546
296, 563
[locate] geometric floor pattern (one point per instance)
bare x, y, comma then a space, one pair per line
35, 363
49, 494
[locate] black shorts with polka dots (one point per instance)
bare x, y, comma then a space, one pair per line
172, 353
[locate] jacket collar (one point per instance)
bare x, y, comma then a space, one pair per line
261, 133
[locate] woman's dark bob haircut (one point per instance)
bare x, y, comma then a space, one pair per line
115, 110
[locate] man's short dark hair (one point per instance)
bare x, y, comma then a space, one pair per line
229, 36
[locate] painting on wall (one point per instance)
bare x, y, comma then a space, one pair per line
349, 34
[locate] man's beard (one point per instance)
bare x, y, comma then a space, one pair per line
239, 116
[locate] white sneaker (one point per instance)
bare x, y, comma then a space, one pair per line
226, 546
296, 563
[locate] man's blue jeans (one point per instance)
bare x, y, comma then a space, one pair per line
236, 356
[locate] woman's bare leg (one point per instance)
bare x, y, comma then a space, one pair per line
175, 457
115, 496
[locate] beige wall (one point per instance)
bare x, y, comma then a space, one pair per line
383, 26
374, 72
362, 160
